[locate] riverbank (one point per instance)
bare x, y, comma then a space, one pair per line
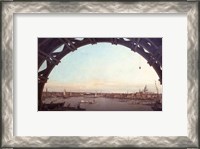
136, 95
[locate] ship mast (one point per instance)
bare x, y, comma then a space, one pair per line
145, 89
64, 93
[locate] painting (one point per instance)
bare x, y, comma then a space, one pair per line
100, 74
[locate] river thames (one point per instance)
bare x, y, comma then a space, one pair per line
103, 103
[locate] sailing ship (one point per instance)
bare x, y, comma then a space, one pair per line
64, 94
145, 89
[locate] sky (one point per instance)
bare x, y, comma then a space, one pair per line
102, 67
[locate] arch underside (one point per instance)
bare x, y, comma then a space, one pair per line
148, 48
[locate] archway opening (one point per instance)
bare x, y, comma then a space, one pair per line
102, 68
95, 67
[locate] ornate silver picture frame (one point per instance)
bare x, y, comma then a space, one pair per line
9, 9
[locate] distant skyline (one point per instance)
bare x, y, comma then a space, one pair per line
102, 67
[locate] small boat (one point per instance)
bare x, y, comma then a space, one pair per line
79, 107
157, 106
91, 102
82, 101
53, 106
95, 95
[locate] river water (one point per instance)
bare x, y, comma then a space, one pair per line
103, 104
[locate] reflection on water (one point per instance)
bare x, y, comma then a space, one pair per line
102, 104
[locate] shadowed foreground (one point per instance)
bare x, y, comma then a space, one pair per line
101, 103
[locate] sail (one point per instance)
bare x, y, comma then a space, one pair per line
64, 92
